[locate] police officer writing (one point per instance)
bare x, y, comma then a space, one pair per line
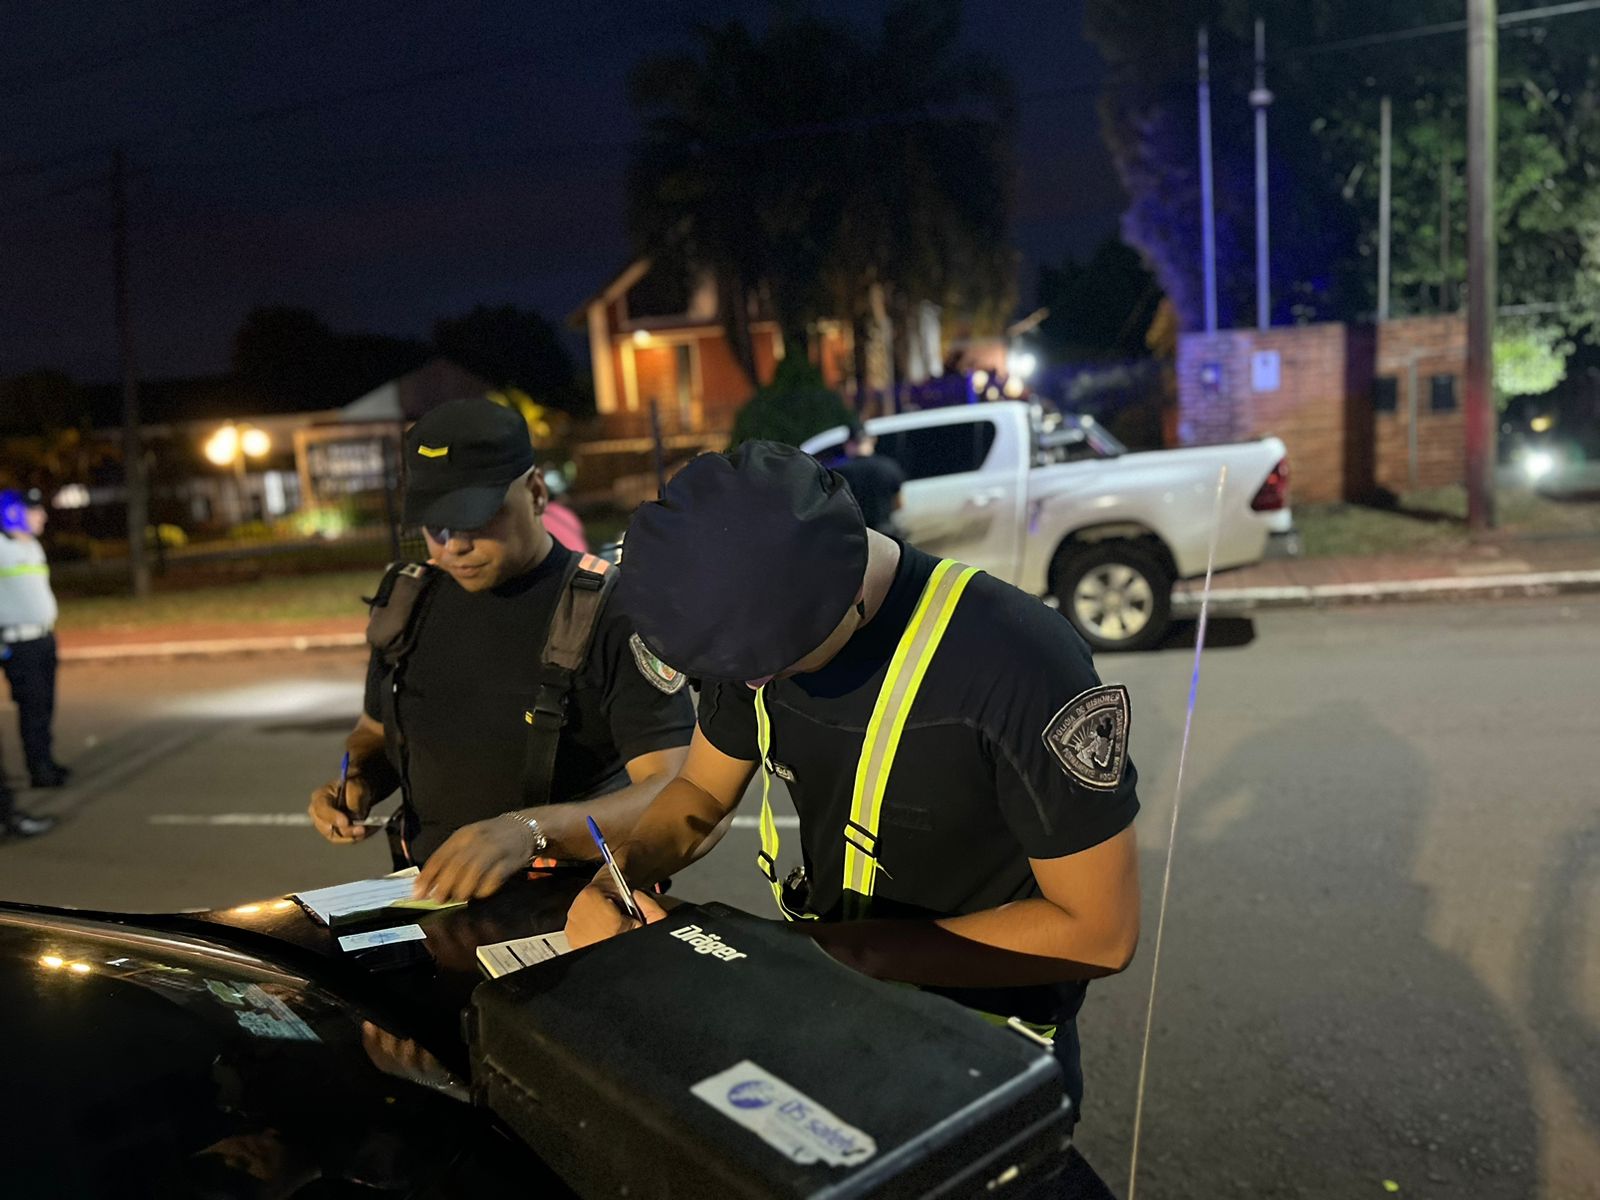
507, 698
960, 773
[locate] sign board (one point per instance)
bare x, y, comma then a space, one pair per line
1264, 371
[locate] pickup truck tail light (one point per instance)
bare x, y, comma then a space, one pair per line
1274, 493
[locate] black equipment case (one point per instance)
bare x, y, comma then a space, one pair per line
715, 1054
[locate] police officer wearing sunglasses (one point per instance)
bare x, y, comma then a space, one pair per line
507, 697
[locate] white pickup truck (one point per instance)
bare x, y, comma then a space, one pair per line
1059, 507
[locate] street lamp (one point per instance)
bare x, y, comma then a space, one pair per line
1021, 363
231, 446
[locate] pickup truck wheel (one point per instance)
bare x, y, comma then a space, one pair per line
1115, 594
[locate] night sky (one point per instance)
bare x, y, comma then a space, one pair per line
387, 162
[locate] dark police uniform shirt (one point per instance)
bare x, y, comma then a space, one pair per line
473, 673
975, 791
874, 481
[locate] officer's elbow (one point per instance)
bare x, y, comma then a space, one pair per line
1116, 944
1124, 947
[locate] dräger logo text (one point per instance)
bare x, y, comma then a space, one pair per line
707, 943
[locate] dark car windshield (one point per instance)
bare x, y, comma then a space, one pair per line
156, 1065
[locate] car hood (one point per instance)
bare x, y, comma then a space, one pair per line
143, 1061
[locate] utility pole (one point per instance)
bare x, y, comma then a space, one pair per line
1260, 98
133, 465
1208, 226
1482, 73
1385, 153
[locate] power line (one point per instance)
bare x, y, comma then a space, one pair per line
1388, 37
63, 70
101, 149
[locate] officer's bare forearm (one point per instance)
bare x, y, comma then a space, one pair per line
684, 822
1016, 945
369, 759
617, 813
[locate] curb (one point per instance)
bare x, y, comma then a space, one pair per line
1480, 587
213, 648
1184, 603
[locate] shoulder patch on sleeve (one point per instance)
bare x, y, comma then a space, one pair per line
657, 674
1089, 736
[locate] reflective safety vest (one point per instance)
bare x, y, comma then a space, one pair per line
895, 697
898, 692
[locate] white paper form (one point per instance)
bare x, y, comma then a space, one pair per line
329, 904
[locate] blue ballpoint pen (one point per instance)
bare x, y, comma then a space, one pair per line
628, 901
344, 780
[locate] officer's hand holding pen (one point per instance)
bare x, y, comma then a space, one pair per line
598, 912
339, 810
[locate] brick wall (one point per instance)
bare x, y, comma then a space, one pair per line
1412, 352
1322, 404
1217, 401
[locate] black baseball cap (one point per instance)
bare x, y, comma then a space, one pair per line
460, 458
746, 564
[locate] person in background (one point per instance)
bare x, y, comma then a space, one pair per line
564, 524
28, 651
875, 480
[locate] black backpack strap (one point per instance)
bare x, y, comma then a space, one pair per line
393, 620
392, 610
584, 590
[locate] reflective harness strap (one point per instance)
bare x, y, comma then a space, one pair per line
767, 859
24, 569
895, 698
899, 690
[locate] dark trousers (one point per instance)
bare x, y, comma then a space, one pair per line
31, 671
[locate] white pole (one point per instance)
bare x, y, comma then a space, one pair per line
1384, 156
1260, 98
1208, 231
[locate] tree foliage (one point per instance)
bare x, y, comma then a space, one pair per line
295, 362
1324, 154
513, 348
796, 405
1099, 309
808, 168
1530, 358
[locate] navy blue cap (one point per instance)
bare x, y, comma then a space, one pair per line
746, 564
460, 459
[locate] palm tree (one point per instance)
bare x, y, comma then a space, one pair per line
727, 179
807, 171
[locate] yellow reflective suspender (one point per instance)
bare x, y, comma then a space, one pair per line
767, 859
895, 697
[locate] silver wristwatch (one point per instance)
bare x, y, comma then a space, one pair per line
540, 841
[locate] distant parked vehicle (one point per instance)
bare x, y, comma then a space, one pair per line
1059, 507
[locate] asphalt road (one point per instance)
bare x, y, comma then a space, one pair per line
1380, 960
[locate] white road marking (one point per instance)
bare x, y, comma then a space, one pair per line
304, 819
